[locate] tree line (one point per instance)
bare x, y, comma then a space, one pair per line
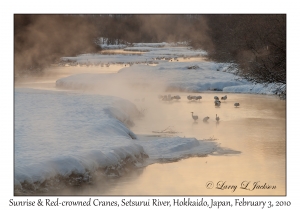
255, 43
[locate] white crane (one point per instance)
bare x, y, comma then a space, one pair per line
236, 104
195, 117
217, 118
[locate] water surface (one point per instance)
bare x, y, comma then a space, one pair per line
253, 154
256, 131
253, 138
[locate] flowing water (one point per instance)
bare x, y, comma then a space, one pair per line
252, 162
253, 138
255, 131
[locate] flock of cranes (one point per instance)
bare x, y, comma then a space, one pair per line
190, 98
169, 97
217, 103
91, 62
205, 119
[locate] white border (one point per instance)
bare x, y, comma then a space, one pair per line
150, 7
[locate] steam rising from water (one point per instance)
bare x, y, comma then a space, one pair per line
40, 40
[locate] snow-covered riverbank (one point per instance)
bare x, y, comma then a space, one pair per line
175, 69
68, 136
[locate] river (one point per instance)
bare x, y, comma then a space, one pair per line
253, 135
253, 138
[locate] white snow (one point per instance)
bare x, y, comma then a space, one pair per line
168, 75
191, 73
60, 133
57, 133
117, 46
153, 52
253, 88
174, 148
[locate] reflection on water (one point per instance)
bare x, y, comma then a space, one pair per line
51, 75
191, 59
257, 129
120, 51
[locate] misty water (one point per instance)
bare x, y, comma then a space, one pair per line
255, 132
252, 136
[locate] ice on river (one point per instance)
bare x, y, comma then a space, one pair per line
63, 133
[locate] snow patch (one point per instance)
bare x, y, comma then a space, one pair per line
63, 138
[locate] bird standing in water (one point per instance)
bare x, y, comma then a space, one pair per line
224, 97
217, 118
236, 104
195, 117
217, 103
189, 97
205, 119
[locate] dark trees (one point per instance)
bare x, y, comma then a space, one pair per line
256, 43
150, 28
